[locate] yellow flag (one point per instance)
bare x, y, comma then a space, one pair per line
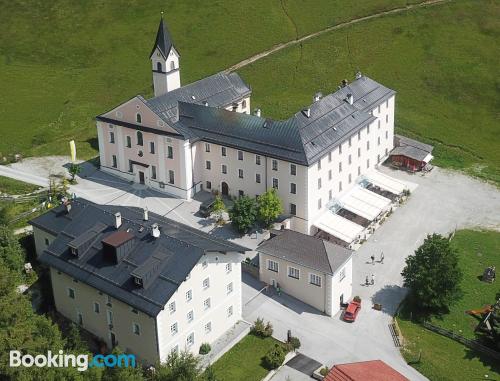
72, 147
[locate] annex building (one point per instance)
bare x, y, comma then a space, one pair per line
203, 136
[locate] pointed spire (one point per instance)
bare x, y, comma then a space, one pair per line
163, 39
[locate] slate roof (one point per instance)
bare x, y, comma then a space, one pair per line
410, 148
163, 40
179, 248
306, 250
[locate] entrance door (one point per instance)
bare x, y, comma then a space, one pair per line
141, 177
342, 299
225, 189
113, 339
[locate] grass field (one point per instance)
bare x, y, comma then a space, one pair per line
442, 61
443, 358
244, 361
62, 63
15, 187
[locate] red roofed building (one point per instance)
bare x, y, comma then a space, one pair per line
375, 370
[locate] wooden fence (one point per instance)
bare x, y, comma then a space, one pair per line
473, 344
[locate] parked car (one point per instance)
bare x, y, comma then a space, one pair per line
352, 311
206, 207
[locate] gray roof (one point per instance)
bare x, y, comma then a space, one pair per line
300, 139
163, 40
410, 148
173, 254
306, 250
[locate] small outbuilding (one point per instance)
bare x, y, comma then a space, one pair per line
410, 154
315, 271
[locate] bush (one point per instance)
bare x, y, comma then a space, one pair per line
294, 343
324, 371
274, 357
243, 214
357, 299
260, 329
205, 348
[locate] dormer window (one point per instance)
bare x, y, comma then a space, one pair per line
159, 66
74, 251
138, 118
138, 281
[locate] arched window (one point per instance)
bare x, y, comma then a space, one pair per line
138, 118
159, 67
140, 141
172, 65
244, 104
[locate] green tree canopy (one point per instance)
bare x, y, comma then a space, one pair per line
11, 251
243, 214
432, 275
218, 208
269, 206
183, 366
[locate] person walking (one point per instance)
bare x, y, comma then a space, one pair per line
373, 279
367, 283
382, 257
373, 259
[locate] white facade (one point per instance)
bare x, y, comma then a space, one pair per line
166, 71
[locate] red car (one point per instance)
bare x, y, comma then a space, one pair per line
352, 311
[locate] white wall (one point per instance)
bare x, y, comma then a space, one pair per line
42, 240
169, 79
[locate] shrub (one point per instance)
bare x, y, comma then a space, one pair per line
274, 357
205, 348
357, 299
268, 331
294, 343
260, 329
324, 371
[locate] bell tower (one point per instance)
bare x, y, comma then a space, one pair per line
165, 62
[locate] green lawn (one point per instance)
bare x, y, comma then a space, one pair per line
15, 187
443, 358
445, 74
244, 361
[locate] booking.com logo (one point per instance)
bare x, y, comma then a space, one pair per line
66, 360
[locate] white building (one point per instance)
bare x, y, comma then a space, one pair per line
310, 269
202, 137
145, 283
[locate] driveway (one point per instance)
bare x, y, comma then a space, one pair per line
442, 202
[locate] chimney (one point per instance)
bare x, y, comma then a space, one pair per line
118, 220
358, 75
257, 112
67, 207
145, 214
350, 99
155, 230
317, 97
307, 112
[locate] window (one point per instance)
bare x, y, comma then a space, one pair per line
240, 173
350, 159
387, 118
112, 137
342, 274
206, 304
229, 288
208, 165
340, 186
140, 141
208, 327
367, 163
175, 350
340, 167
108, 301
378, 140
172, 65
350, 178
97, 307
329, 174
275, 183
206, 283
190, 339
293, 273
275, 165
340, 148
159, 66
330, 195
189, 295
378, 158
293, 188
174, 329
315, 279
115, 163
293, 209
229, 267
359, 135
387, 134
130, 166
208, 185
129, 142
207, 147
171, 307
171, 177
319, 164
229, 311
80, 318
272, 265
47, 242
152, 147
240, 155
379, 124
71, 293
319, 203
170, 152
109, 317
349, 142
329, 157
241, 193
136, 328
359, 170
359, 152
190, 316
244, 103
223, 151
386, 151
293, 169
387, 103
257, 178
367, 129
138, 118
368, 145
153, 172
224, 168
319, 183
257, 159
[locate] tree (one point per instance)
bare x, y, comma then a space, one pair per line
11, 251
182, 366
432, 275
274, 357
74, 169
270, 206
218, 208
243, 214
123, 373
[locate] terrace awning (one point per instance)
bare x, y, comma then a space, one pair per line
365, 203
338, 226
386, 182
